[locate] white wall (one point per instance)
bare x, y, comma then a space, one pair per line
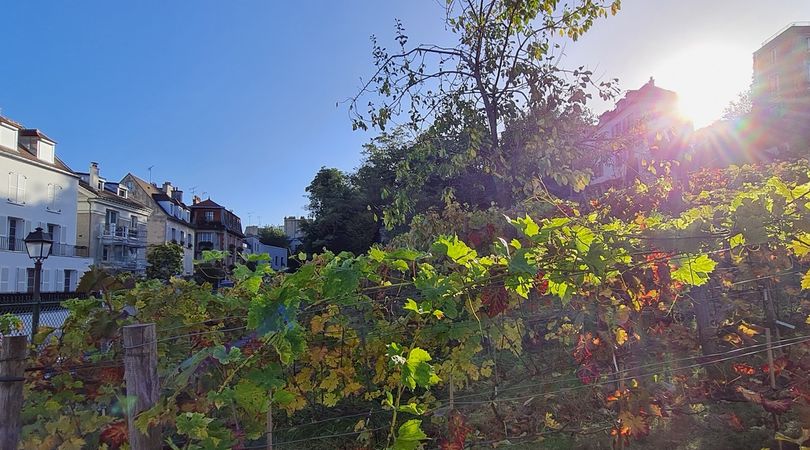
35, 212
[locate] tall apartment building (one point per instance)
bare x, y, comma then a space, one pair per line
37, 189
217, 229
782, 66
170, 220
111, 224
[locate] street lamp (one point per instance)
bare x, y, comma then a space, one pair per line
38, 244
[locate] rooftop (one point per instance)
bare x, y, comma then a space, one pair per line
784, 29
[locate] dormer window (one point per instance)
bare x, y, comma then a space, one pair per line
122, 192
8, 136
45, 152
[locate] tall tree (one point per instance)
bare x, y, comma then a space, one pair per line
502, 64
164, 261
274, 236
341, 220
739, 107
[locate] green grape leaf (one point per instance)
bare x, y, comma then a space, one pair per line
409, 436
694, 270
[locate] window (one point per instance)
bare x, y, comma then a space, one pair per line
133, 222
205, 236
122, 192
174, 234
105, 253
8, 137
14, 231
16, 188
182, 237
111, 217
808, 42
209, 216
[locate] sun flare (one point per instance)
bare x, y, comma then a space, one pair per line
706, 77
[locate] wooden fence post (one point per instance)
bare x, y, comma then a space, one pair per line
140, 371
270, 427
12, 369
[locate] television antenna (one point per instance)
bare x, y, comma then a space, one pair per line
150, 173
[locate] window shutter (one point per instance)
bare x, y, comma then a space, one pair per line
21, 188
22, 280
50, 195
60, 280
27, 230
4, 280
12, 186
62, 234
45, 281
3, 226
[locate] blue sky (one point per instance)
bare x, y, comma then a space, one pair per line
238, 99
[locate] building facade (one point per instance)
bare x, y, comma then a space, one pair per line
782, 66
293, 228
644, 121
217, 229
111, 224
170, 220
37, 190
277, 256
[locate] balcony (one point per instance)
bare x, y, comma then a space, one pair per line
122, 234
124, 263
18, 245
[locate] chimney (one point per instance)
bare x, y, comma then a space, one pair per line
196, 199
167, 188
94, 178
251, 230
177, 194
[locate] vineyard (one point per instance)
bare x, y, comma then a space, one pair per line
666, 315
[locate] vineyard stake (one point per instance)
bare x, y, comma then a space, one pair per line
140, 370
12, 369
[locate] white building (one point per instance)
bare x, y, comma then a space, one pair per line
37, 190
644, 125
278, 255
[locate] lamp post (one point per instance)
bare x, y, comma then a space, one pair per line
38, 244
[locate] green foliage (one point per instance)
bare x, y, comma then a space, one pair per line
527, 321
340, 220
274, 236
10, 324
164, 261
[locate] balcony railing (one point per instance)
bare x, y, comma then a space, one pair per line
124, 263
123, 233
17, 245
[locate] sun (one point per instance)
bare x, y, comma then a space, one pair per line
706, 78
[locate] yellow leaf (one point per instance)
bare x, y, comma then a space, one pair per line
550, 422
621, 336
746, 330
316, 324
806, 280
